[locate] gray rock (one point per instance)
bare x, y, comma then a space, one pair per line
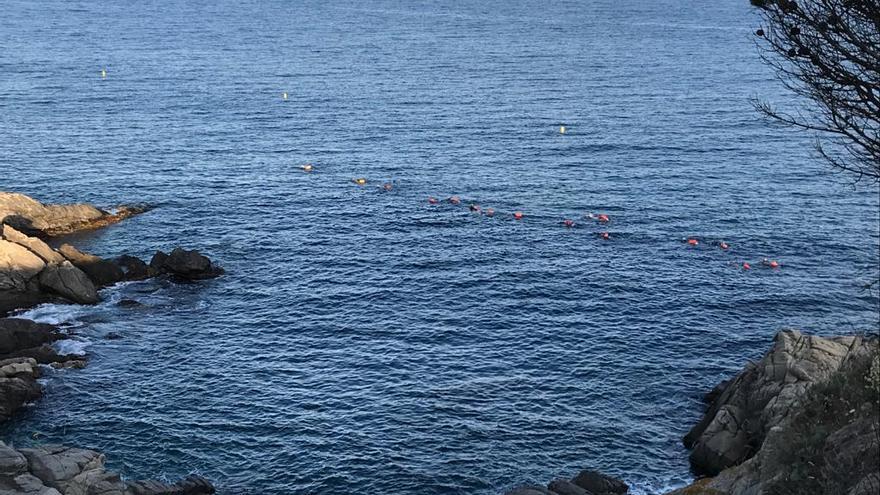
185, 264
598, 483
762, 396
133, 268
191, 485
17, 334
12, 463
565, 487
58, 466
100, 271
25, 484
69, 282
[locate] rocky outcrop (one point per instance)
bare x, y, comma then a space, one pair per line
587, 482
763, 396
31, 272
806, 397
34, 218
18, 385
60, 470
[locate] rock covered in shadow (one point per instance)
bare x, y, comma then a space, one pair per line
18, 385
184, 264
133, 268
587, 482
69, 282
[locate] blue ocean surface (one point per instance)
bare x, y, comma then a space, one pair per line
367, 341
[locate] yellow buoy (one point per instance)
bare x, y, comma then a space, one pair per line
562, 129
360, 181
103, 73
284, 96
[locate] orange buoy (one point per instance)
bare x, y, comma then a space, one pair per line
603, 218
723, 245
693, 242
747, 266
774, 264
568, 222
432, 200
455, 200
490, 212
518, 215
605, 235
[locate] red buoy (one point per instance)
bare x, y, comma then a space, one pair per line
432, 200
693, 242
568, 222
747, 266
490, 212
518, 215
774, 264
455, 200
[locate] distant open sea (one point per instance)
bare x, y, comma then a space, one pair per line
365, 341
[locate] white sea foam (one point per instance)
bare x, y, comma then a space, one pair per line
75, 347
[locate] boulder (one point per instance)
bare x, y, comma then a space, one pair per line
18, 266
598, 483
34, 218
565, 487
59, 466
18, 334
762, 396
18, 385
191, 485
100, 271
133, 268
32, 244
12, 463
69, 282
25, 484
185, 264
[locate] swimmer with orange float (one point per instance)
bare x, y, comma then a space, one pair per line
770, 263
601, 217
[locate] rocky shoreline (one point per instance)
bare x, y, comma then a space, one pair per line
32, 273
804, 419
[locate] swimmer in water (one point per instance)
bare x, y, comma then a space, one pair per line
723, 245
518, 215
568, 222
601, 217
770, 263
490, 212
455, 200
359, 181
387, 186
432, 200
307, 167
693, 242
474, 208
605, 235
